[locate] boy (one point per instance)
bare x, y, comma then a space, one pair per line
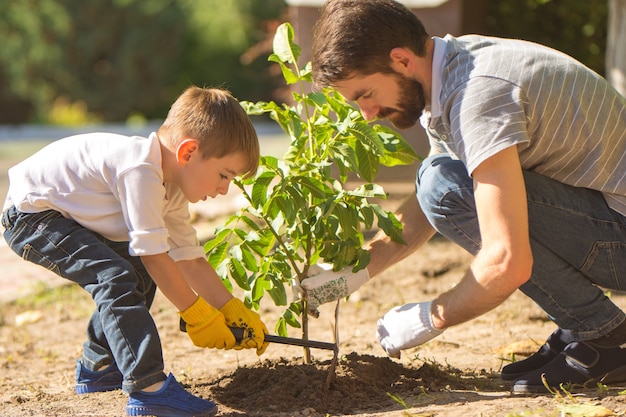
110, 213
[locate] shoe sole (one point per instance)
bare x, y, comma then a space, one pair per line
86, 389
167, 411
616, 375
513, 377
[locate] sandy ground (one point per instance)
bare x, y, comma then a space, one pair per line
456, 374
453, 375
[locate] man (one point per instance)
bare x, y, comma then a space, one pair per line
527, 171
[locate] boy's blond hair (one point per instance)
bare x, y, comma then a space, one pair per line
217, 121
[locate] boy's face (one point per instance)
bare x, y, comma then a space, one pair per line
201, 178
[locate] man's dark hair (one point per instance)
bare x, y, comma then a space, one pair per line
355, 37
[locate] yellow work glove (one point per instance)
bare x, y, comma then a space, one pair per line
238, 315
206, 326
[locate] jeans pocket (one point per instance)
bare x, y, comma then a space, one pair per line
33, 255
606, 265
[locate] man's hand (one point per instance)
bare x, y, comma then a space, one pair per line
329, 286
207, 327
238, 315
405, 327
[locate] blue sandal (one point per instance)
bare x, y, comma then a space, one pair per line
172, 400
107, 379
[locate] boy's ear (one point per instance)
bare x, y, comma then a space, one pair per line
185, 149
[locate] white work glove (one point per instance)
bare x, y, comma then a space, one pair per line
406, 326
326, 286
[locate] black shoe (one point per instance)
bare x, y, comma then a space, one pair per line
579, 363
546, 353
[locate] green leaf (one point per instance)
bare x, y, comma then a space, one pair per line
362, 260
278, 293
218, 254
260, 188
235, 252
397, 150
290, 319
284, 47
368, 190
219, 238
367, 216
263, 245
238, 272
367, 162
251, 235
288, 74
367, 136
317, 188
347, 221
269, 162
248, 258
259, 286
277, 222
389, 224
297, 199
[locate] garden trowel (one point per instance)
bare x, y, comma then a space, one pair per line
239, 333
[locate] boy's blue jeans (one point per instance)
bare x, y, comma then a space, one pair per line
578, 243
121, 329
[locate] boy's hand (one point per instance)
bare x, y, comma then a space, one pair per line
238, 315
207, 327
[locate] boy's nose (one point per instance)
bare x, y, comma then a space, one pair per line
223, 189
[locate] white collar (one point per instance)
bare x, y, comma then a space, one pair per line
439, 52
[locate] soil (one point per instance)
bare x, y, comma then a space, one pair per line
456, 374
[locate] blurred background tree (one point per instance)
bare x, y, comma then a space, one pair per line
576, 27
116, 58
76, 61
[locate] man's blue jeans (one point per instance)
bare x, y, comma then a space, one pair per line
121, 329
578, 243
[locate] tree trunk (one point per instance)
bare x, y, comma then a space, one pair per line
616, 46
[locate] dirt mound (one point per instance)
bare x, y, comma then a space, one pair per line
362, 383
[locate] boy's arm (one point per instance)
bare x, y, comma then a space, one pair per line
206, 325
170, 280
201, 276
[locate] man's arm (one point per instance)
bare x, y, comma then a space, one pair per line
504, 261
416, 232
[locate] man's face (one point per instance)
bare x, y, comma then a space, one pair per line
395, 97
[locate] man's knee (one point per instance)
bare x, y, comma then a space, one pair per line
440, 180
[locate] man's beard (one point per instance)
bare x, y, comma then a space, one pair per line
411, 103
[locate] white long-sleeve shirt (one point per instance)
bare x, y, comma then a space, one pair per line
110, 184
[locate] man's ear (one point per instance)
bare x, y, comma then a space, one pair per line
402, 61
185, 149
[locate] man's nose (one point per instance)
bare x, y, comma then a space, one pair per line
368, 110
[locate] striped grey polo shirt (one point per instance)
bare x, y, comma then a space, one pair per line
567, 122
